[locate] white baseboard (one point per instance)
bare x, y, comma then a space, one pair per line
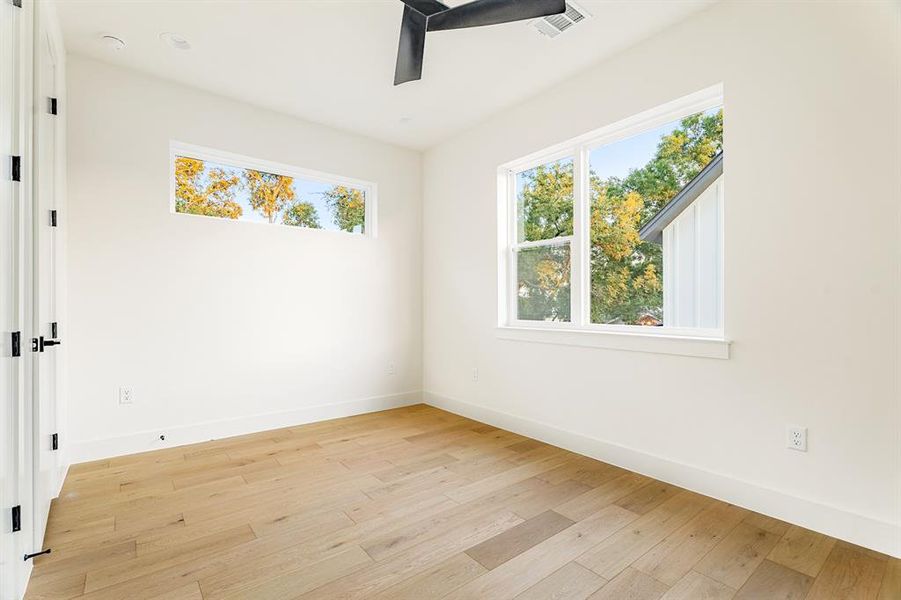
202, 432
859, 529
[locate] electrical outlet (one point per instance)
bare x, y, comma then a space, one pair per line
796, 438
126, 395
475, 374
391, 369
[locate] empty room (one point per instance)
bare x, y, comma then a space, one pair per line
462, 299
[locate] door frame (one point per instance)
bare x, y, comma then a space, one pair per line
48, 175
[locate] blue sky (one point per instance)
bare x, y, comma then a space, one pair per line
309, 191
619, 158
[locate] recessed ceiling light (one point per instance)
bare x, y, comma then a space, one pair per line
175, 40
112, 42
405, 120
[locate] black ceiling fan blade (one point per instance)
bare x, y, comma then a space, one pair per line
494, 12
426, 7
411, 47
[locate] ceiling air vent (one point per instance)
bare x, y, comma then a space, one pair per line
554, 25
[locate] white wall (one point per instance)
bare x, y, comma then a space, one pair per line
812, 289
225, 327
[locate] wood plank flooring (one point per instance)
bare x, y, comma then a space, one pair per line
417, 503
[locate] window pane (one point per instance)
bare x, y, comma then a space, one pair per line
543, 278
345, 206
217, 190
631, 181
545, 201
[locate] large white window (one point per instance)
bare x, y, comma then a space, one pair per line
213, 183
620, 230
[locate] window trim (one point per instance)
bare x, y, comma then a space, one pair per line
671, 340
239, 161
633, 341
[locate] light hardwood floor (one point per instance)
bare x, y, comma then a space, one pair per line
417, 503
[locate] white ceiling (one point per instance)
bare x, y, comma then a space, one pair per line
332, 61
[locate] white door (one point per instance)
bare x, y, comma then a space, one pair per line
47, 325
16, 433
8, 364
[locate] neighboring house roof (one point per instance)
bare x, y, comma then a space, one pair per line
653, 229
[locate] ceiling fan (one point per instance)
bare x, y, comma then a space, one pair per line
421, 16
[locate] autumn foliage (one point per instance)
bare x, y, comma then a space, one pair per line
269, 193
302, 214
348, 206
212, 195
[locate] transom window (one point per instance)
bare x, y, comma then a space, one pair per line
218, 184
620, 229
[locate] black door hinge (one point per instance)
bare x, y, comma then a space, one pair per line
17, 3
17, 518
52, 106
16, 168
54, 441
53, 220
16, 343
53, 329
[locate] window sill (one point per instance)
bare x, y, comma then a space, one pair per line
702, 347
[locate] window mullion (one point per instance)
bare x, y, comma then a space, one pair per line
512, 259
581, 286
574, 253
557, 241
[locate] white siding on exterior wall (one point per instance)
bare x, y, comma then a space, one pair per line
692, 263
